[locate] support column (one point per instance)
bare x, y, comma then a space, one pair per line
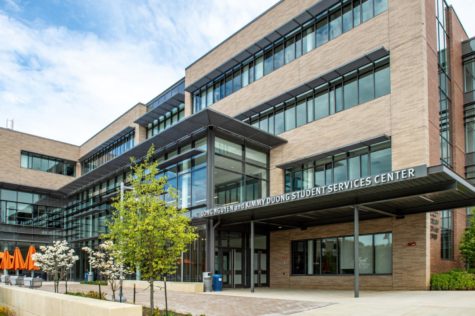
251, 243
357, 251
210, 246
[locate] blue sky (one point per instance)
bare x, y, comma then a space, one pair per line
69, 67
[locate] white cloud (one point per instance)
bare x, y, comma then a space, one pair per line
67, 85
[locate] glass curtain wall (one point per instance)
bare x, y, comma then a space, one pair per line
361, 162
335, 256
340, 18
117, 148
240, 172
165, 121
447, 235
30, 209
367, 83
444, 83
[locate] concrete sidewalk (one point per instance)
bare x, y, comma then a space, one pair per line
387, 303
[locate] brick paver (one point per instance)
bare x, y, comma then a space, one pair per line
206, 304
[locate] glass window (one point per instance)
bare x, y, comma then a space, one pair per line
256, 157
229, 164
308, 39
298, 45
340, 171
356, 12
350, 92
259, 67
366, 87
322, 32
184, 190
366, 254
382, 81
383, 253
209, 98
245, 76
217, 91
289, 50
198, 186
268, 62
335, 24
290, 118
321, 105
347, 255
264, 123
380, 161
367, 10
299, 254
237, 80
310, 110
320, 176
339, 98
229, 85
354, 167
301, 113
228, 187
279, 122
380, 6
24, 161
279, 56
469, 74
447, 235
347, 18
329, 256
228, 148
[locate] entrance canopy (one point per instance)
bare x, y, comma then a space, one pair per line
397, 193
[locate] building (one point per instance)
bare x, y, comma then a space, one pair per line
317, 124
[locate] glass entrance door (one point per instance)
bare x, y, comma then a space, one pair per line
260, 268
232, 267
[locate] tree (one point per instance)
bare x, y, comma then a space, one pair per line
56, 260
148, 231
467, 244
106, 262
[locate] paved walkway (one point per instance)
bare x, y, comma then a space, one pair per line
209, 305
265, 301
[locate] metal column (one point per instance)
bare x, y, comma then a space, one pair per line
357, 251
252, 256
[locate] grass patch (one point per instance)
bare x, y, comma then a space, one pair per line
157, 312
6, 311
455, 280
97, 282
90, 294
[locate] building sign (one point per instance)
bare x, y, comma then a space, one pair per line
361, 183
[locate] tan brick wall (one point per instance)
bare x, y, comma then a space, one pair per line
330, 133
13, 142
410, 263
122, 122
271, 20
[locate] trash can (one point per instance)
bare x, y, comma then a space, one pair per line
90, 277
85, 276
207, 282
217, 282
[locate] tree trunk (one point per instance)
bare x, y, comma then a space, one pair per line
113, 291
100, 294
166, 298
152, 307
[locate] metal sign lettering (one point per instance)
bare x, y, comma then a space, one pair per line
370, 181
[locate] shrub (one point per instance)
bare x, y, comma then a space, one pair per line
96, 282
90, 294
157, 312
453, 280
6, 311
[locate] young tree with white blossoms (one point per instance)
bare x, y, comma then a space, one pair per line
56, 260
106, 262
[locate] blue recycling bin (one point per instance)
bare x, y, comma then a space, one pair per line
217, 282
85, 276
